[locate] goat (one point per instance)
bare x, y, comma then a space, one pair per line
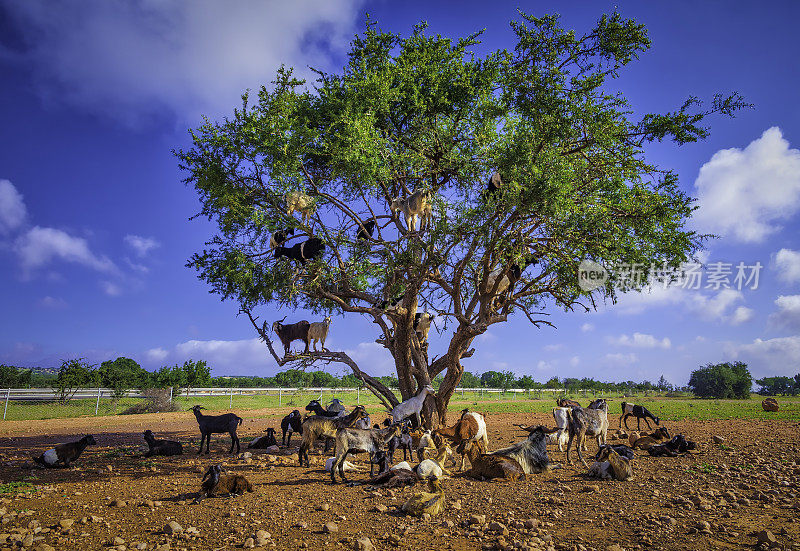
495, 184
611, 465
565, 403
411, 407
65, 453
677, 446
403, 441
561, 416
278, 238
531, 453
300, 202
365, 230
317, 426
422, 325
640, 412
393, 304
336, 406
318, 332
488, 466
621, 449
363, 423
360, 441
415, 205
289, 424
212, 424
471, 427
644, 442
434, 467
264, 442
560, 438
396, 477
292, 332
597, 404
315, 407
587, 422
215, 483
431, 503
425, 446
311, 248
161, 447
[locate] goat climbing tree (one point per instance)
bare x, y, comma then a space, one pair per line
428, 113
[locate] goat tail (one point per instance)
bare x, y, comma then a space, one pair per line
239, 420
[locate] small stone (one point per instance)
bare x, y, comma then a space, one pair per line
164, 547
614, 547
249, 543
477, 519
119, 541
717, 439
118, 503
590, 488
363, 544
456, 505
193, 531
247, 455
766, 536
380, 508
263, 537
324, 507
330, 528
173, 528
532, 523
66, 523
272, 450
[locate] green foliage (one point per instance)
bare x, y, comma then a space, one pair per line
197, 374
724, 380
14, 377
777, 386
72, 376
121, 375
470, 380
16, 487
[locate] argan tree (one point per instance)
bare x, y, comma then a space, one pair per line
427, 114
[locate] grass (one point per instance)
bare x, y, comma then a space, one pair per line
669, 409
17, 487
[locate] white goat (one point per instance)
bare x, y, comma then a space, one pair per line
561, 437
415, 205
412, 406
300, 202
318, 332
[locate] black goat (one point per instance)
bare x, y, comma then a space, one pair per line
311, 248
640, 412
367, 231
216, 483
289, 424
315, 407
279, 237
264, 442
531, 453
393, 303
621, 449
292, 332
161, 447
403, 441
212, 424
64, 453
597, 404
677, 446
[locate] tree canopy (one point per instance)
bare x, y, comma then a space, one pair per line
427, 114
724, 380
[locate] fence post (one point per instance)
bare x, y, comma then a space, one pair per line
5, 409
280, 397
230, 405
358, 396
97, 404
170, 394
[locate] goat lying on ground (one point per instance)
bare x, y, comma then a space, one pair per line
531, 453
640, 412
264, 442
471, 427
64, 453
487, 466
396, 477
587, 422
411, 407
289, 424
291, 332
621, 449
611, 466
300, 202
279, 237
644, 442
161, 447
431, 503
213, 424
675, 447
311, 248
318, 332
360, 441
318, 426
434, 467
215, 483
415, 205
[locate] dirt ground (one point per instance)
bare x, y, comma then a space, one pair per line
113, 497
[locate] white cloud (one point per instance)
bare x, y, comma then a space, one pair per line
641, 340
110, 288
156, 355
142, 245
41, 246
787, 263
52, 303
741, 315
636, 302
745, 194
189, 58
12, 207
714, 307
574, 361
544, 366
788, 314
779, 356
373, 358
619, 359
239, 357
586, 327
553, 347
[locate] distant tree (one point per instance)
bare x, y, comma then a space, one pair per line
554, 382
14, 377
526, 382
493, 379
663, 385
198, 374
796, 389
169, 376
724, 380
72, 376
121, 375
776, 386
470, 380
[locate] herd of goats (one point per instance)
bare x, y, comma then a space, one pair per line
352, 433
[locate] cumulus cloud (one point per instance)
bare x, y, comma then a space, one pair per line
619, 359
141, 245
779, 356
373, 357
586, 327
12, 207
110, 288
185, 58
553, 347
641, 340
745, 194
741, 315
239, 357
711, 307
39, 247
787, 263
788, 314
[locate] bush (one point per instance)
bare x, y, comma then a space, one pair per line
723, 380
156, 400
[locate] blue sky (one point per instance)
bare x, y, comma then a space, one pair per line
94, 218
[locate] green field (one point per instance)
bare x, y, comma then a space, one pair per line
672, 409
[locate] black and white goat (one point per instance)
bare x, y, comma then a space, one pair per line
264, 442
401, 441
640, 412
316, 408
278, 238
215, 424
531, 453
587, 422
366, 231
675, 447
360, 441
161, 447
289, 424
292, 332
311, 248
422, 325
64, 453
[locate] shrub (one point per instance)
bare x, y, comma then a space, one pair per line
156, 400
723, 380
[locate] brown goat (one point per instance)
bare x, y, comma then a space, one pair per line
565, 403
487, 466
644, 442
215, 483
470, 428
